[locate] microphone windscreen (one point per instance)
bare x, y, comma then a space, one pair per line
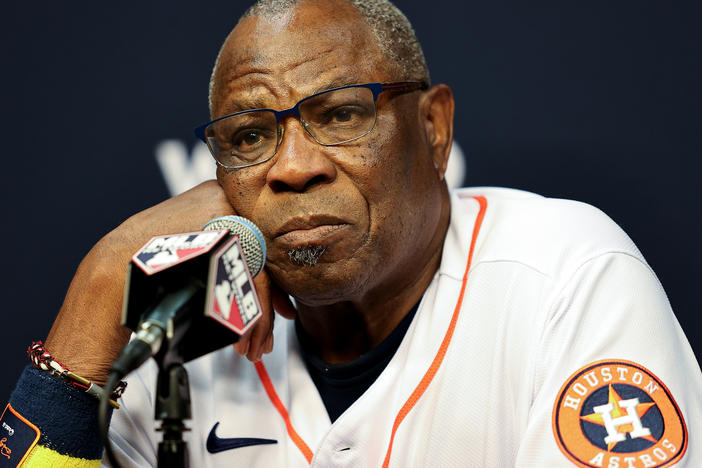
250, 238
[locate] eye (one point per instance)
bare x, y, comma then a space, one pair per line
249, 138
341, 115
346, 115
249, 144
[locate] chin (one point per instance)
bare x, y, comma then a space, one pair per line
323, 283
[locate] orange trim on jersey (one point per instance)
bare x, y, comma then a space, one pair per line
434, 367
423, 384
273, 396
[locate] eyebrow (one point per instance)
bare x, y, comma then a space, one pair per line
337, 83
259, 103
247, 104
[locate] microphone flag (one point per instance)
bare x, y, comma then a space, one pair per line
225, 305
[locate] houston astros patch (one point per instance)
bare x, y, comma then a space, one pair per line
617, 414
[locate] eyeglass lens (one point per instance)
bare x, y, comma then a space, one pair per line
331, 117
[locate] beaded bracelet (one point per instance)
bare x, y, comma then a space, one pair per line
41, 359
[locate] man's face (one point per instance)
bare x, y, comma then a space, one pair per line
370, 205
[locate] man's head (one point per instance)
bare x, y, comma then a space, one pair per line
392, 30
371, 211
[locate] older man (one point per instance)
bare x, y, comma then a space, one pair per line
489, 327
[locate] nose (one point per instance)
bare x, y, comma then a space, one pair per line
300, 163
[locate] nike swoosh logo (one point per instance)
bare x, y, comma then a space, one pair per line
216, 444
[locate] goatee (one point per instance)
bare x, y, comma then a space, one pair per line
306, 254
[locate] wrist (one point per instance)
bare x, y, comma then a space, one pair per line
65, 416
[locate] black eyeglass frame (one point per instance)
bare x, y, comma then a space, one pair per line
376, 89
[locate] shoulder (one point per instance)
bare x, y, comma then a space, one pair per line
548, 235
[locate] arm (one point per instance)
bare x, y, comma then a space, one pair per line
94, 299
87, 336
609, 317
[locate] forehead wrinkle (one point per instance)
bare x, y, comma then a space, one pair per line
305, 60
243, 96
335, 71
242, 102
294, 62
248, 91
273, 60
253, 68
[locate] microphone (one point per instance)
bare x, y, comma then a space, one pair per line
189, 294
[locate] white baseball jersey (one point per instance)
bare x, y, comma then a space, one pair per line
544, 340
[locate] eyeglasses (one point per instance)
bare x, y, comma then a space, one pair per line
331, 117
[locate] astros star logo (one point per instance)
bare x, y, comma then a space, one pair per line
617, 413
621, 417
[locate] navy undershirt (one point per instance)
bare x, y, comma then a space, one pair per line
340, 385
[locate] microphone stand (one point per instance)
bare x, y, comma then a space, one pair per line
172, 407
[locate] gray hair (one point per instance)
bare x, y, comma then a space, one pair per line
393, 33
306, 254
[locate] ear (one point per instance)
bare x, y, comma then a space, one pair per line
436, 112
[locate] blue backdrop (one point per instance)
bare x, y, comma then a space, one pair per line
597, 101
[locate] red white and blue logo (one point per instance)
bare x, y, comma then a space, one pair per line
231, 297
163, 252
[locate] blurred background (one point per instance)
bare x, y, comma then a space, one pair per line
596, 101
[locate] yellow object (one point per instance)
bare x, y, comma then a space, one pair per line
42, 457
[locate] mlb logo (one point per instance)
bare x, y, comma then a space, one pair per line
231, 296
163, 252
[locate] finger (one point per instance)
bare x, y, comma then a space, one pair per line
264, 328
258, 338
242, 346
268, 347
282, 303
261, 332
